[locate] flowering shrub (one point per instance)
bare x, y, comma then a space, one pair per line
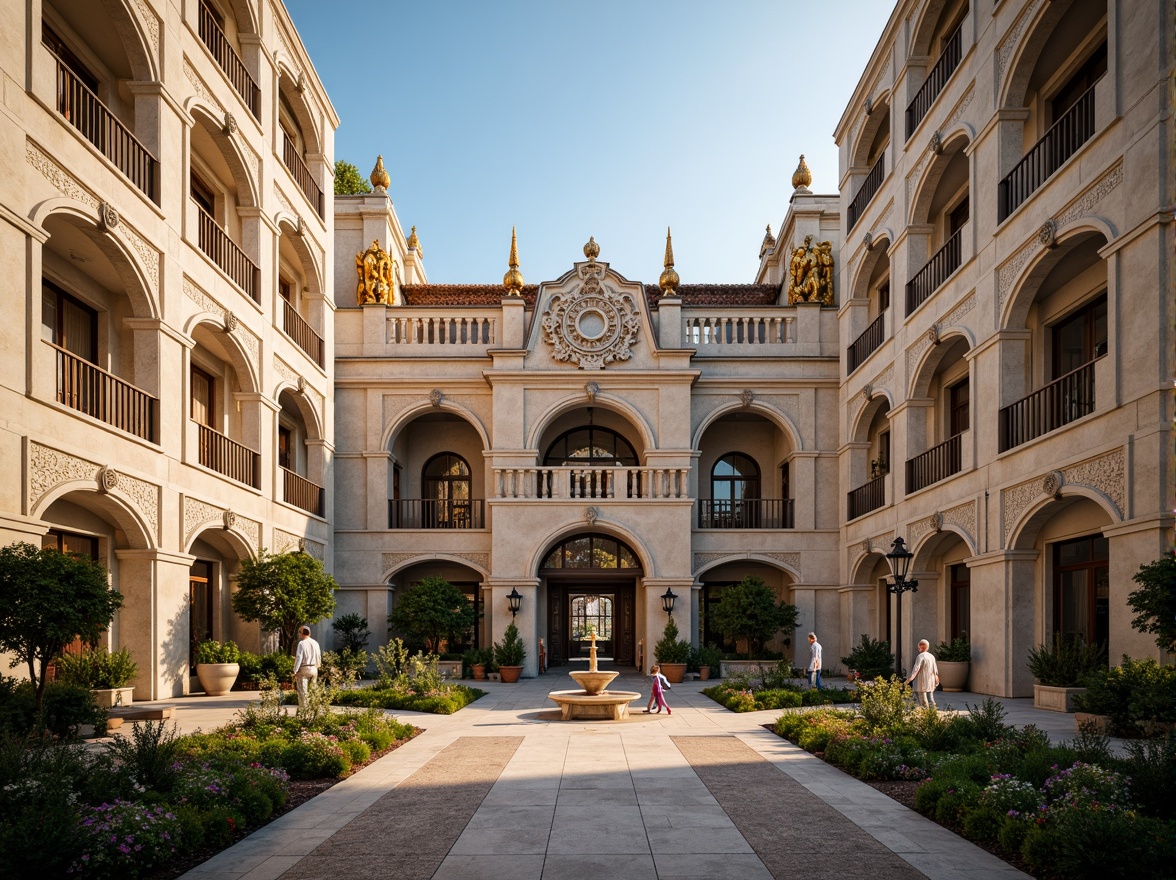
315, 754
1087, 786
1009, 796
900, 758
122, 839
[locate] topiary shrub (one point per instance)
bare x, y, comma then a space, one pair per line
669, 648
871, 658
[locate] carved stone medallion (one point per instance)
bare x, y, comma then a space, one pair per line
1051, 483
593, 325
435, 397
107, 479
107, 217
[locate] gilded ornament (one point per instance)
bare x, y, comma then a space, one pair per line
935, 522
414, 243
811, 273
380, 179
669, 278
513, 279
933, 334
867, 391
593, 325
592, 249
769, 242
868, 241
802, 176
376, 276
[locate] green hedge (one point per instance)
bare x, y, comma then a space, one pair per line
455, 697
743, 700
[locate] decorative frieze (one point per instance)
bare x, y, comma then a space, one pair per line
1009, 44
1105, 474
150, 24
201, 89
1079, 207
283, 201
792, 560
284, 370
964, 517
248, 339
392, 561
920, 345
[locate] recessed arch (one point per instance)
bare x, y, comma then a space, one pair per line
954, 147
602, 527
239, 357
312, 268
1024, 288
425, 558
931, 358
879, 398
879, 250
224, 538
112, 505
750, 556
409, 414
212, 120
1027, 527
878, 117
603, 401
769, 412
863, 566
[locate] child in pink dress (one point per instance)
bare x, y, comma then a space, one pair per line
657, 692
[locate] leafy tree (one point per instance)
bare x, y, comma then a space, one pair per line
432, 611
282, 592
1154, 602
47, 599
348, 180
351, 632
749, 610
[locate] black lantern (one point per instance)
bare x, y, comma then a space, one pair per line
668, 598
515, 600
899, 558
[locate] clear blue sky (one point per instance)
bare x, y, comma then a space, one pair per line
615, 118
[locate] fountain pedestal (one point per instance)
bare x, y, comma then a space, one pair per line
594, 700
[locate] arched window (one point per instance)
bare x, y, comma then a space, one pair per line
591, 552
590, 446
735, 492
446, 496
592, 614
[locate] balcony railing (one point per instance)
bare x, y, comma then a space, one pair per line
937, 463
1064, 400
625, 483
866, 344
91, 390
929, 279
748, 329
301, 174
228, 457
302, 334
869, 189
221, 249
1071, 131
863, 499
301, 492
103, 129
948, 61
218, 44
747, 513
436, 513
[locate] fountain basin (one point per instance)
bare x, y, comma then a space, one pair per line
593, 682
611, 705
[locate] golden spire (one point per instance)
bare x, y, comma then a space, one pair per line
380, 179
414, 243
802, 176
513, 279
769, 242
669, 278
592, 249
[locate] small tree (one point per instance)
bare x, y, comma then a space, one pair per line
669, 648
47, 599
1154, 603
749, 610
351, 632
348, 180
282, 592
432, 611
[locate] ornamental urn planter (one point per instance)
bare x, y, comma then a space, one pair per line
217, 678
1055, 699
674, 672
953, 674
108, 698
510, 674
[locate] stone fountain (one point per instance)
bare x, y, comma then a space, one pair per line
593, 701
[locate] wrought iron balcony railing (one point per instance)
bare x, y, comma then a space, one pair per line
865, 498
1064, 400
949, 59
91, 390
434, 513
746, 513
937, 270
230, 62
228, 457
866, 344
937, 463
866, 193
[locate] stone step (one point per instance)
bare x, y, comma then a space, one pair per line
143, 713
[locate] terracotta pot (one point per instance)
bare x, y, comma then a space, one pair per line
953, 674
510, 674
704, 673
217, 678
674, 672
479, 671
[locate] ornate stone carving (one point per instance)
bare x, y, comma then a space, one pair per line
286, 541
1106, 474
375, 270
513, 280
230, 126
916, 173
435, 397
228, 519
810, 273
936, 145
593, 325
150, 23
1051, 483
1047, 235
933, 334
199, 86
1005, 51
107, 217
769, 242
391, 561
925, 341
285, 371
792, 560
867, 391
868, 241
591, 389
283, 201
107, 479
1079, 207
230, 321
591, 515
379, 177
935, 521
746, 396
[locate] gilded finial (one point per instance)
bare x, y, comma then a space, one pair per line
769, 242
513, 279
669, 278
380, 179
414, 243
592, 249
802, 176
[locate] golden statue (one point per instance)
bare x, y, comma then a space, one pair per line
811, 273
377, 276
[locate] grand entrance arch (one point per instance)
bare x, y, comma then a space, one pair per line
591, 583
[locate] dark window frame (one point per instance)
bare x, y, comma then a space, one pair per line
62, 298
551, 458
959, 403
1094, 343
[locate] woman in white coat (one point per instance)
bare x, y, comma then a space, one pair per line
925, 675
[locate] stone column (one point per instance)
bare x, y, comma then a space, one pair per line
527, 620
154, 620
1004, 621
855, 601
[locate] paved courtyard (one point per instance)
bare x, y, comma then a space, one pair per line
503, 789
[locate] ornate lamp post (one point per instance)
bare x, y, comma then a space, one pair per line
668, 598
515, 600
899, 559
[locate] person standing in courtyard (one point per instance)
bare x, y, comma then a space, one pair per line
814, 667
657, 694
308, 657
925, 675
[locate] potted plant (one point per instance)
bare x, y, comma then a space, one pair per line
509, 655
954, 660
217, 666
1061, 669
478, 659
672, 654
108, 674
710, 660
870, 659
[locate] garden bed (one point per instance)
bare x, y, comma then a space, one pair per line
445, 701
742, 698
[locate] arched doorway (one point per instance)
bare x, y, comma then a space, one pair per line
591, 586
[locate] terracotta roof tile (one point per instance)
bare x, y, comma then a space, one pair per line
492, 294
462, 294
719, 294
